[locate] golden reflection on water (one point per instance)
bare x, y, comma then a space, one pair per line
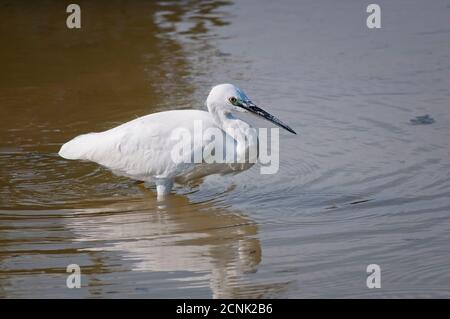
57, 83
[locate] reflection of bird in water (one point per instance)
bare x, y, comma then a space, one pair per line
142, 149
211, 243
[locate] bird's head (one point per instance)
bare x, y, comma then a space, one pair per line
228, 98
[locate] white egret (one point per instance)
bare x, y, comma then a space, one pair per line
142, 148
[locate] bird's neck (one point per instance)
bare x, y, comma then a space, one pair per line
245, 136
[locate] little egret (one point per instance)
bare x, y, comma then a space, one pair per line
142, 149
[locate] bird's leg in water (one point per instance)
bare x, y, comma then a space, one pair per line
163, 188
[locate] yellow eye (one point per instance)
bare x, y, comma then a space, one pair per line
233, 100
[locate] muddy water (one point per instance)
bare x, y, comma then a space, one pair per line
361, 184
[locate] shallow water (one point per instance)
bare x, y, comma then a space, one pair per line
360, 184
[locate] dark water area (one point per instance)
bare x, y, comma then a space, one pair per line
366, 180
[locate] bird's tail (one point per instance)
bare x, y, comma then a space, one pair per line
79, 147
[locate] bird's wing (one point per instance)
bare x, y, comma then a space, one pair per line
138, 148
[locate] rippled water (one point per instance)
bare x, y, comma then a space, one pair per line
360, 184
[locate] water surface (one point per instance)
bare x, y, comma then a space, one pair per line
360, 183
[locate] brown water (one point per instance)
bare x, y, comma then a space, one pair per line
359, 185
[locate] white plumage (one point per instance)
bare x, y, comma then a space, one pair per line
141, 149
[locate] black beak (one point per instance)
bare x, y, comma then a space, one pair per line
249, 106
